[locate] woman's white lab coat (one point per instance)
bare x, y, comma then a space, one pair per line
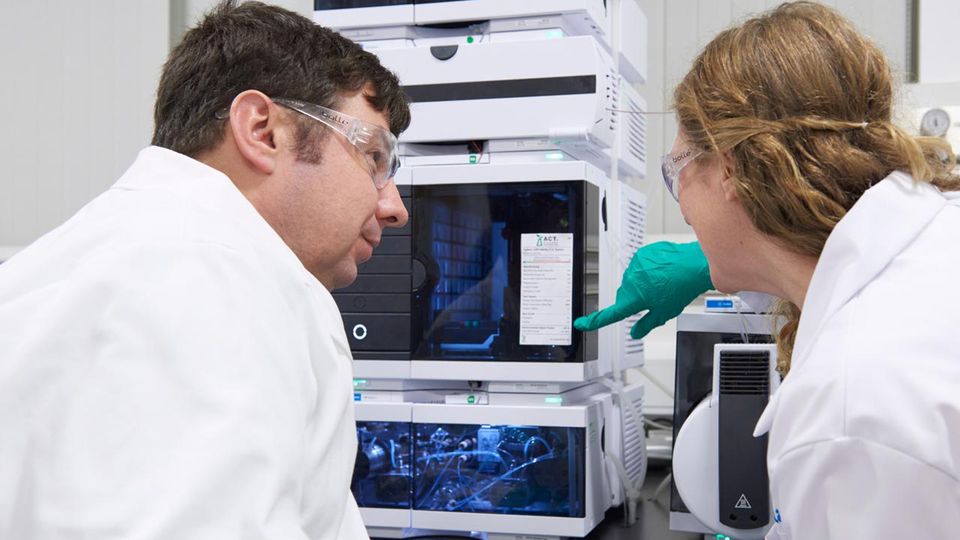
865, 431
169, 370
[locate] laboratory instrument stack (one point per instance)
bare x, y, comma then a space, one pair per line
480, 410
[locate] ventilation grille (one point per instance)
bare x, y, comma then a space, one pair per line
633, 227
745, 373
636, 129
631, 346
613, 99
634, 440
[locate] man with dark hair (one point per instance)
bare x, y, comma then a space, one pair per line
173, 364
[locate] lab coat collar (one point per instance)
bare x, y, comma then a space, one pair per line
164, 169
157, 167
886, 219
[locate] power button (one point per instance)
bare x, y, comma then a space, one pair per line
360, 332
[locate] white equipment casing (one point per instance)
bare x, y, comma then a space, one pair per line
602, 255
389, 397
590, 17
526, 171
560, 92
601, 412
624, 439
430, 23
627, 215
587, 17
407, 385
596, 500
631, 120
696, 462
500, 168
632, 33
343, 19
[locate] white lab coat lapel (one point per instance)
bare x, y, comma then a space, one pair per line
878, 227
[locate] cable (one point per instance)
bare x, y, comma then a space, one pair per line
476, 147
660, 487
657, 425
526, 445
621, 471
461, 453
611, 109
664, 388
545, 457
459, 474
436, 483
452, 456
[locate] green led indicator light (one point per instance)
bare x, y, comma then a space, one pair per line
553, 156
359, 382
473, 159
469, 39
553, 399
555, 34
471, 399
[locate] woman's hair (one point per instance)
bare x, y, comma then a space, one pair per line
803, 103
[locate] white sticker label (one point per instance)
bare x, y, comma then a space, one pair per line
546, 289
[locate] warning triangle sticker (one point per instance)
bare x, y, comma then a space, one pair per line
742, 502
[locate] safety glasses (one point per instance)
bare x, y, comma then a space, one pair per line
670, 166
377, 146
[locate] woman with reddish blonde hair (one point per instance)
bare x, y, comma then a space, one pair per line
798, 184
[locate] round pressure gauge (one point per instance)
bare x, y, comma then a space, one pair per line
935, 123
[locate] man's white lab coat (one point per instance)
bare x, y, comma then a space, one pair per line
169, 370
865, 431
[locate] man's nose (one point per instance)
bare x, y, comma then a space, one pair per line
390, 209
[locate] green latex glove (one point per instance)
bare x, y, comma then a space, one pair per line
663, 278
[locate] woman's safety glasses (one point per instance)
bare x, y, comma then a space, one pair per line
670, 166
376, 145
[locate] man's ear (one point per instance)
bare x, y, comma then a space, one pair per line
253, 124
727, 181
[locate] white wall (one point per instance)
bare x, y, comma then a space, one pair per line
679, 29
937, 60
78, 90
937, 46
